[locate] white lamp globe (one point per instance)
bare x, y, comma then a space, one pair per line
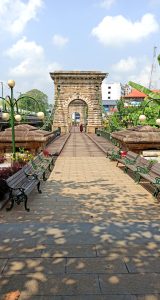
18, 118
11, 83
5, 116
40, 115
158, 122
142, 118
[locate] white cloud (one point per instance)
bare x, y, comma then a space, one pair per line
60, 40
24, 48
31, 68
143, 76
138, 70
116, 31
15, 16
107, 3
125, 65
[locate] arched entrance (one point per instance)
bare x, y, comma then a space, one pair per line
77, 113
77, 91
75, 118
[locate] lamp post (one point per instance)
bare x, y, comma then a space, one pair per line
12, 102
11, 84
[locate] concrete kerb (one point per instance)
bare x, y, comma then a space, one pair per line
65, 141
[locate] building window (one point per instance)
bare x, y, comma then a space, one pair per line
109, 87
109, 92
109, 97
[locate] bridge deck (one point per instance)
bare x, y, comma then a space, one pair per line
79, 145
92, 234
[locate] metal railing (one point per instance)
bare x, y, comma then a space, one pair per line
56, 133
107, 136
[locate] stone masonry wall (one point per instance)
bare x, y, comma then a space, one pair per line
73, 85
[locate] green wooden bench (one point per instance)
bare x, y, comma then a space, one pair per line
152, 176
25, 180
40, 166
20, 186
114, 154
47, 160
130, 158
140, 162
135, 163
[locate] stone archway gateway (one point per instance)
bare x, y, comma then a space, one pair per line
77, 91
79, 109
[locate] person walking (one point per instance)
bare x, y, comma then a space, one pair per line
81, 128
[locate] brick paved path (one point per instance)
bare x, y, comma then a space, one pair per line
92, 234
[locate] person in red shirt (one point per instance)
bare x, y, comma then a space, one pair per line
81, 128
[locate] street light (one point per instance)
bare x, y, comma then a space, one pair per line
12, 102
142, 118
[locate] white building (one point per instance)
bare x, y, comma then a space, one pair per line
112, 91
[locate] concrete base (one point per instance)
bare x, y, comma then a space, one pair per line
64, 129
92, 129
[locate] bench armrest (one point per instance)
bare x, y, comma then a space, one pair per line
43, 158
129, 161
157, 180
17, 188
30, 176
115, 156
143, 170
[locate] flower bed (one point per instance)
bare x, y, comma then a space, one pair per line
2, 159
9, 171
6, 173
22, 157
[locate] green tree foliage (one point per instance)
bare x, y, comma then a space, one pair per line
27, 103
152, 112
127, 117
124, 117
151, 95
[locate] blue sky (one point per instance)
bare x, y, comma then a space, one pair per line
113, 36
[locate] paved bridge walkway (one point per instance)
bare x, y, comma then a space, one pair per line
92, 234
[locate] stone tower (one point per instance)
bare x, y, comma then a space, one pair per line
76, 91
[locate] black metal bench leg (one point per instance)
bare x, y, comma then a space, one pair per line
38, 188
49, 168
25, 203
44, 176
156, 192
137, 177
126, 169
